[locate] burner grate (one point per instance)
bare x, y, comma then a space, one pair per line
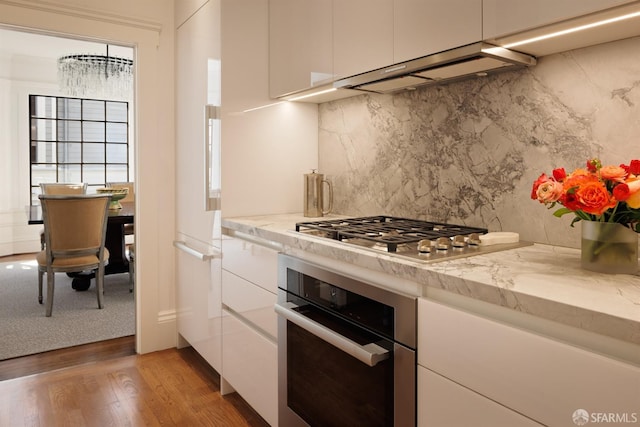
387, 230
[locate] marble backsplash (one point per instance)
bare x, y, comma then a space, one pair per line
468, 152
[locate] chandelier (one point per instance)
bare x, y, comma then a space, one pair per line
96, 76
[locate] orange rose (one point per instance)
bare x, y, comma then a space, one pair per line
593, 198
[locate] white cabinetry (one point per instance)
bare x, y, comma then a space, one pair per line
300, 45
541, 378
198, 283
249, 344
362, 36
441, 402
424, 27
502, 17
183, 9
199, 302
314, 42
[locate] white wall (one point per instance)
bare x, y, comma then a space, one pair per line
148, 26
265, 152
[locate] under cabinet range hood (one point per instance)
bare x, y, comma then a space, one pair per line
478, 59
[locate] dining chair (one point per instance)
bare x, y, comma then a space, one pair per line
131, 256
75, 228
60, 188
129, 230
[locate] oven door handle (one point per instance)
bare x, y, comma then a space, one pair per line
370, 354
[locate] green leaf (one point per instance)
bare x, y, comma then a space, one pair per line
562, 211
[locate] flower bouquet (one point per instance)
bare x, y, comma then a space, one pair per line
607, 199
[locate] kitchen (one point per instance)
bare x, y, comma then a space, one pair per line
373, 180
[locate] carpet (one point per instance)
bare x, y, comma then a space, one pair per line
76, 319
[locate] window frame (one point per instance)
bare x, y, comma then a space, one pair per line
97, 141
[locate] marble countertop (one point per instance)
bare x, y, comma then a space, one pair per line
540, 280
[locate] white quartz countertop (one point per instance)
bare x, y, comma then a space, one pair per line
540, 280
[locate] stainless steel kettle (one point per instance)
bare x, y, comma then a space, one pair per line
314, 195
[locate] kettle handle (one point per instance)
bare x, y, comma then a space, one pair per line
330, 198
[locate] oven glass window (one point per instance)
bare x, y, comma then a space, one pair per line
327, 387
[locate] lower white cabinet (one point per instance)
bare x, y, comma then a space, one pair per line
541, 378
249, 324
198, 303
443, 403
249, 361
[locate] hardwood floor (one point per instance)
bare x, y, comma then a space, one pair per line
66, 357
169, 388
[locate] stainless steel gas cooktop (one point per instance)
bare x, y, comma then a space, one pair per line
422, 240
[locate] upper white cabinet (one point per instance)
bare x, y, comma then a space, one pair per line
314, 42
502, 17
423, 27
300, 45
197, 82
362, 36
183, 9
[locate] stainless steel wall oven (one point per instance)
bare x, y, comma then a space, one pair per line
346, 350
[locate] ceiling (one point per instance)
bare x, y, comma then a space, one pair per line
20, 43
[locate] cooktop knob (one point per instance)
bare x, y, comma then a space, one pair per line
443, 243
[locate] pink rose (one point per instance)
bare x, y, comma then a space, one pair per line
534, 190
549, 192
613, 173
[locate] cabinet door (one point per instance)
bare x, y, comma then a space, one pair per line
252, 261
539, 377
250, 302
502, 17
362, 36
197, 83
251, 366
442, 402
199, 306
300, 45
183, 9
423, 27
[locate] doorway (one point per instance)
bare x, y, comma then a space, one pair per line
29, 66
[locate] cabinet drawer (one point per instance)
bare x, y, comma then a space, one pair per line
539, 377
251, 302
250, 365
251, 261
442, 402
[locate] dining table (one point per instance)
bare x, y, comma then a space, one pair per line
114, 242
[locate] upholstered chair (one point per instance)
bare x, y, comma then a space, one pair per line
60, 188
74, 228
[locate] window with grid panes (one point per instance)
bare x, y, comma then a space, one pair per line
77, 140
